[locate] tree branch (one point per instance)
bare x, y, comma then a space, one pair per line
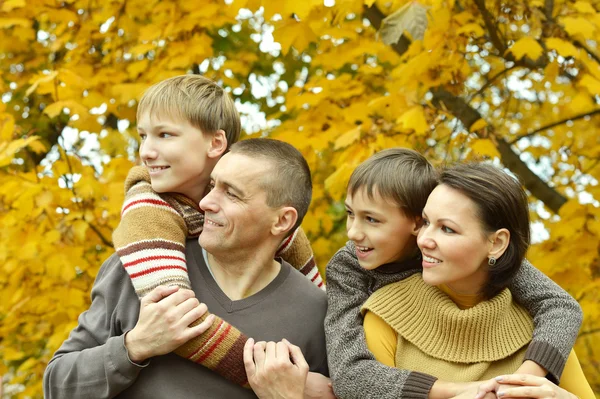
554, 124
577, 43
491, 27
490, 81
104, 240
458, 107
548, 9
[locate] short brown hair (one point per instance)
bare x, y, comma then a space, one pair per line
399, 174
501, 204
289, 182
200, 101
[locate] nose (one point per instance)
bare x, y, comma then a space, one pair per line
354, 231
148, 149
425, 239
210, 202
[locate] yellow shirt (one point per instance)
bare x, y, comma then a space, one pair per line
382, 341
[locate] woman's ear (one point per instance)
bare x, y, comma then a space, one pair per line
499, 240
218, 144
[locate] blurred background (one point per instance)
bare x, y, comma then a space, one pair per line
515, 82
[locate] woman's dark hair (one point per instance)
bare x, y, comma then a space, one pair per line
501, 203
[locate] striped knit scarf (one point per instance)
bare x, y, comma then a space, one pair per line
150, 240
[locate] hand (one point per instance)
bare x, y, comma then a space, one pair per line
529, 386
318, 386
163, 324
474, 389
271, 373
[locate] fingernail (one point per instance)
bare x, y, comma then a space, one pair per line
500, 394
499, 378
286, 341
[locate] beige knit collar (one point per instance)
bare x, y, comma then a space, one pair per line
429, 319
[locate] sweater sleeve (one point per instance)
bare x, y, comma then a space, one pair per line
556, 315
93, 361
354, 371
296, 251
150, 238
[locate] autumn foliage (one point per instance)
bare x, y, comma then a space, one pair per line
517, 82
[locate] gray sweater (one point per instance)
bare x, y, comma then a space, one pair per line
355, 372
93, 361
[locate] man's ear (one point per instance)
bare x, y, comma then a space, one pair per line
418, 222
286, 219
218, 144
499, 240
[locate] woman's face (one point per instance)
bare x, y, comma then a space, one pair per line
453, 243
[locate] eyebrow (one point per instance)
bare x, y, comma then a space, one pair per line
232, 186
442, 219
160, 127
367, 211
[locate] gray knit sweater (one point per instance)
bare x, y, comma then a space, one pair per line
355, 372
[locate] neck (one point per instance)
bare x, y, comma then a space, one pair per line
462, 300
241, 277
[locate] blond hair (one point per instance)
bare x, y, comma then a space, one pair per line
200, 101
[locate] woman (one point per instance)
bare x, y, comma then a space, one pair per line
457, 320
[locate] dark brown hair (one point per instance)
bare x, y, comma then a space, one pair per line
289, 182
398, 174
501, 203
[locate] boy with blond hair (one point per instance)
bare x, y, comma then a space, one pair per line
385, 199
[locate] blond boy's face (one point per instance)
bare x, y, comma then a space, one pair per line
176, 155
381, 232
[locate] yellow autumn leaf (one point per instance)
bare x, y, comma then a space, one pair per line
590, 83
526, 47
337, 182
56, 108
579, 27
479, 124
584, 7
39, 79
347, 138
10, 22
473, 28
485, 147
295, 34
562, 47
413, 120
10, 5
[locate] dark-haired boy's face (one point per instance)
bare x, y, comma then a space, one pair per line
380, 230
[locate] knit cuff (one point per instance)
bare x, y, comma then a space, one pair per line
418, 385
548, 357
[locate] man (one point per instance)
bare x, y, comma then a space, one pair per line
121, 348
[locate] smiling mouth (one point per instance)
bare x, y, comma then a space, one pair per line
430, 259
212, 223
156, 168
363, 250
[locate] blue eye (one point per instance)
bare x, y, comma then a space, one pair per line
165, 135
349, 213
230, 194
371, 220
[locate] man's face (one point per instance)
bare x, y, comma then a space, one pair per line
176, 155
237, 218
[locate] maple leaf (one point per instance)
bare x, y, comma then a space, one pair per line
526, 47
410, 18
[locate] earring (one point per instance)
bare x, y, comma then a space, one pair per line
491, 261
